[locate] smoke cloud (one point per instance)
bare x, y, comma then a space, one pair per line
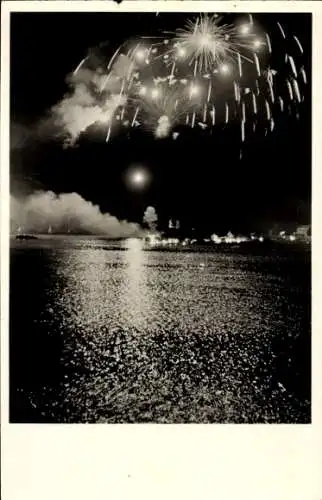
93, 98
66, 213
163, 128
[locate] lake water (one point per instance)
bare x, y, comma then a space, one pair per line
100, 334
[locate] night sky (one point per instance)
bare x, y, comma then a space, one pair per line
199, 178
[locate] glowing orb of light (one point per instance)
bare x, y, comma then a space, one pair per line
194, 90
257, 43
155, 93
140, 55
245, 29
224, 69
142, 91
181, 52
137, 177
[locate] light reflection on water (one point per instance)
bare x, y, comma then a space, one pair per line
165, 337
135, 303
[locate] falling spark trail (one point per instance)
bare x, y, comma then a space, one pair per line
268, 111
270, 77
209, 92
242, 130
135, 115
238, 92
173, 69
257, 88
122, 113
130, 82
298, 43
129, 75
133, 51
113, 57
271, 90
235, 91
193, 120
79, 66
281, 30
227, 113
257, 64
105, 82
243, 111
122, 88
176, 104
303, 75
195, 68
187, 118
292, 63
254, 103
205, 113
239, 65
213, 115
290, 90
272, 124
269, 45
281, 103
250, 19
297, 90
108, 134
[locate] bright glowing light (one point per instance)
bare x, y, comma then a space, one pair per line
194, 90
140, 55
215, 238
142, 91
153, 240
155, 93
245, 29
181, 52
224, 69
134, 244
138, 178
257, 43
206, 41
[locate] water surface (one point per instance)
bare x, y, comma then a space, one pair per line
100, 334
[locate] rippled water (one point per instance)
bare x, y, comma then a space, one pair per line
105, 335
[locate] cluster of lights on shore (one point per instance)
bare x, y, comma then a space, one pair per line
205, 74
155, 240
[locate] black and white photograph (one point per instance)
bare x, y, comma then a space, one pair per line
160, 218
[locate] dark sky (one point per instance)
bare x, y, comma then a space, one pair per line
198, 178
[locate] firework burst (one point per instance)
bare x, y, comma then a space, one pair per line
206, 74
206, 43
